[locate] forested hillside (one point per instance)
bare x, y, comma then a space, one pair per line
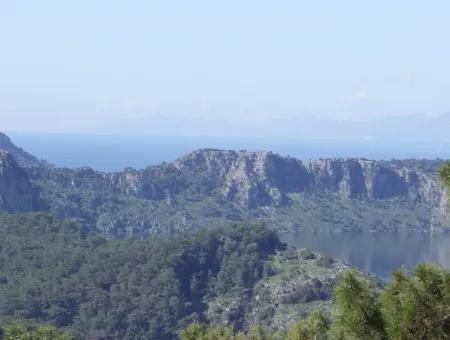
52, 271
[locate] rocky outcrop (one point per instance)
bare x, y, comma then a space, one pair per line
15, 189
23, 158
298, 281
253, 179
361, 178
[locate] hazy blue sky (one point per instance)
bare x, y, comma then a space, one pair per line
78, 65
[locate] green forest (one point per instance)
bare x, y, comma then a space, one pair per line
122, 289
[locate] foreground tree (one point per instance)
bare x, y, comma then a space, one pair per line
23, 332
358, 314
196, 331
444, 174
316, 327
415, 306
418, 306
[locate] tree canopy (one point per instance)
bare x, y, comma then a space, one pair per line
51, 271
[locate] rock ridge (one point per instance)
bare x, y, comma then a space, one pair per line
211, 185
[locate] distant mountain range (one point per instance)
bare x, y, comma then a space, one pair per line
213, 187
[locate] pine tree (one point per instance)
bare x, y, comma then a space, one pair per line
358, 314
418, 307
314, 328
444, 173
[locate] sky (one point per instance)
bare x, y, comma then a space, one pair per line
95, 65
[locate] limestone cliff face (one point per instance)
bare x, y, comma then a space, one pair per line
346, 177
444, 203
360, 178
254, 179
249, 179
15, 189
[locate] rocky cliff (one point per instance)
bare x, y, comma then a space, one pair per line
23, 158
209, 186
255, 179
15, 188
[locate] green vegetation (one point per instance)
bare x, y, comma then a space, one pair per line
22, 331
358, 312
409, 307
240, 277
444, 173
196, 331
300, 282
418, 305
315, 327
52, 272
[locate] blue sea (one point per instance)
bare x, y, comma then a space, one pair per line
115, 152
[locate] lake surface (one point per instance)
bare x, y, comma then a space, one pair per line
379, 253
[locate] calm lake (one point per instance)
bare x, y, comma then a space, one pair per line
379, 253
